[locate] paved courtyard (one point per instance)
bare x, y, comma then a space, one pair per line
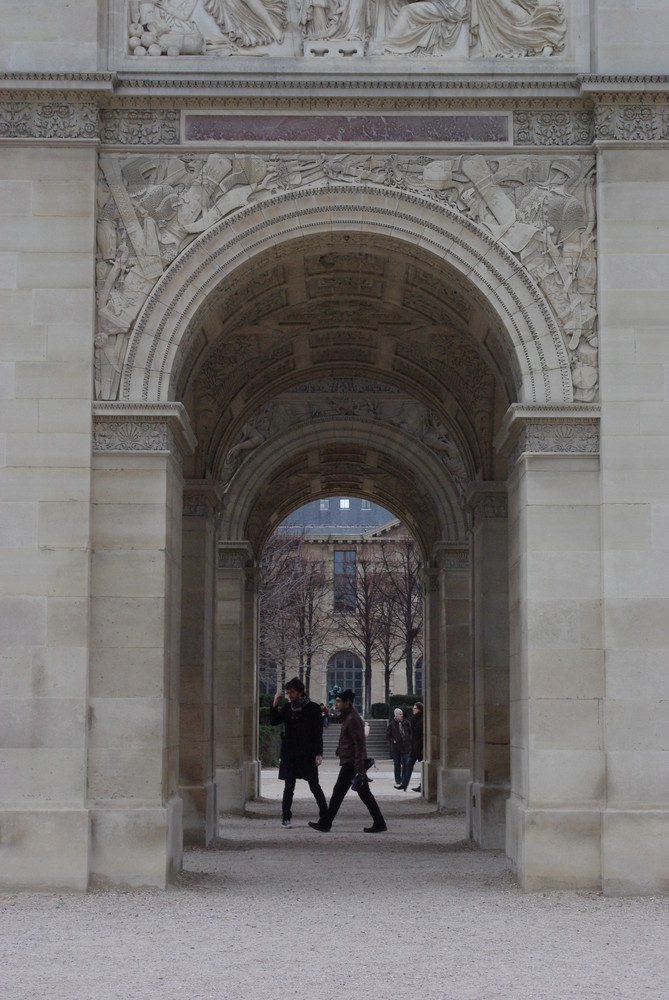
296, 915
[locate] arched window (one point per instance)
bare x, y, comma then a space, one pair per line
345, 670
418, 677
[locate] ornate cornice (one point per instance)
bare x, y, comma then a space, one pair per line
487, 499
549, 430
121, 426
235, 555
201, 498
125, 110
450, 556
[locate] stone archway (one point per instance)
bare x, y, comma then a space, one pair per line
377, 345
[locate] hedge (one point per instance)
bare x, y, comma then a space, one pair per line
269, 745
380, 710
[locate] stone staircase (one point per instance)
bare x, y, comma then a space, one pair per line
377, 744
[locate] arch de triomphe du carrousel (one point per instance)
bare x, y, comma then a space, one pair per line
255, 252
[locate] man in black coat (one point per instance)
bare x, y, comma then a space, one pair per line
301, 745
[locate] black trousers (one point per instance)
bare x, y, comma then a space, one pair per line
316, 791
342, 785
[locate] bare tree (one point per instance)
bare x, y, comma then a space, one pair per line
294, 617
403, 567
358, 617
390, 647
278, 637
312, 596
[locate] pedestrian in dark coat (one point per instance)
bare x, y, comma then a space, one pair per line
398, 734
352, 753
301, 745
416, 743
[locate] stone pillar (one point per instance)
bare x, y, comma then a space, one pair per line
557, 683
133, 745
454, 672
196, 757
47, 295
235, 677
489, 787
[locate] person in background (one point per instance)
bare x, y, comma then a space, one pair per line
301, 745
352, 753
398, 734
416, 743
325, 714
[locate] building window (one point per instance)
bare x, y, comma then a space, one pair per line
344, 503
325, 504
418, 677
344, 580
366, 505
345, 671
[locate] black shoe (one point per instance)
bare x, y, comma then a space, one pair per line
397, 786
416, 789
376, 829
321, 827
287, 824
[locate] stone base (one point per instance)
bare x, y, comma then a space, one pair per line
635, 855
44, 849
452, 788
136, 847
235, 786
486, 805
553, 848
199, 812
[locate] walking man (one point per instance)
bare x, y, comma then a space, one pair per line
301, 745
352, 752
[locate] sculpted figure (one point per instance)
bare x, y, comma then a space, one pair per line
316, 17
426, 26
517, 27
249, 22
352, 20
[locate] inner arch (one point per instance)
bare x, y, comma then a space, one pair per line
510, 317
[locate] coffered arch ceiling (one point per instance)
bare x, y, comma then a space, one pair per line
356, 338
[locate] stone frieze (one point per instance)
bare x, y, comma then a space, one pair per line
540, 208
345, 29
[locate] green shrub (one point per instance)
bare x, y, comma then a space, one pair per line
269, 745
263, 715
380, 710
404, 701
265, 700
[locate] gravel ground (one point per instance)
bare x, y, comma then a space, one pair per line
295, 915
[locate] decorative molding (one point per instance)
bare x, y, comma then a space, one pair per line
235, 555
553, 127
200, 498
487, 500
54, 119
140, 126
549, 431
638, 122
451, 556
133, 428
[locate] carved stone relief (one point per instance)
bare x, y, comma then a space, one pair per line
469, 29
539, 208
362, 400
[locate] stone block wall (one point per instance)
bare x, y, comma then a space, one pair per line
47, 216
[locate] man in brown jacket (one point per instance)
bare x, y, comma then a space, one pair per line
352, 753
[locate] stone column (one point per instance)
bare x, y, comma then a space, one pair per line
235, 677
454, 671
196, 757
557, 683
489, 787
133, 745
